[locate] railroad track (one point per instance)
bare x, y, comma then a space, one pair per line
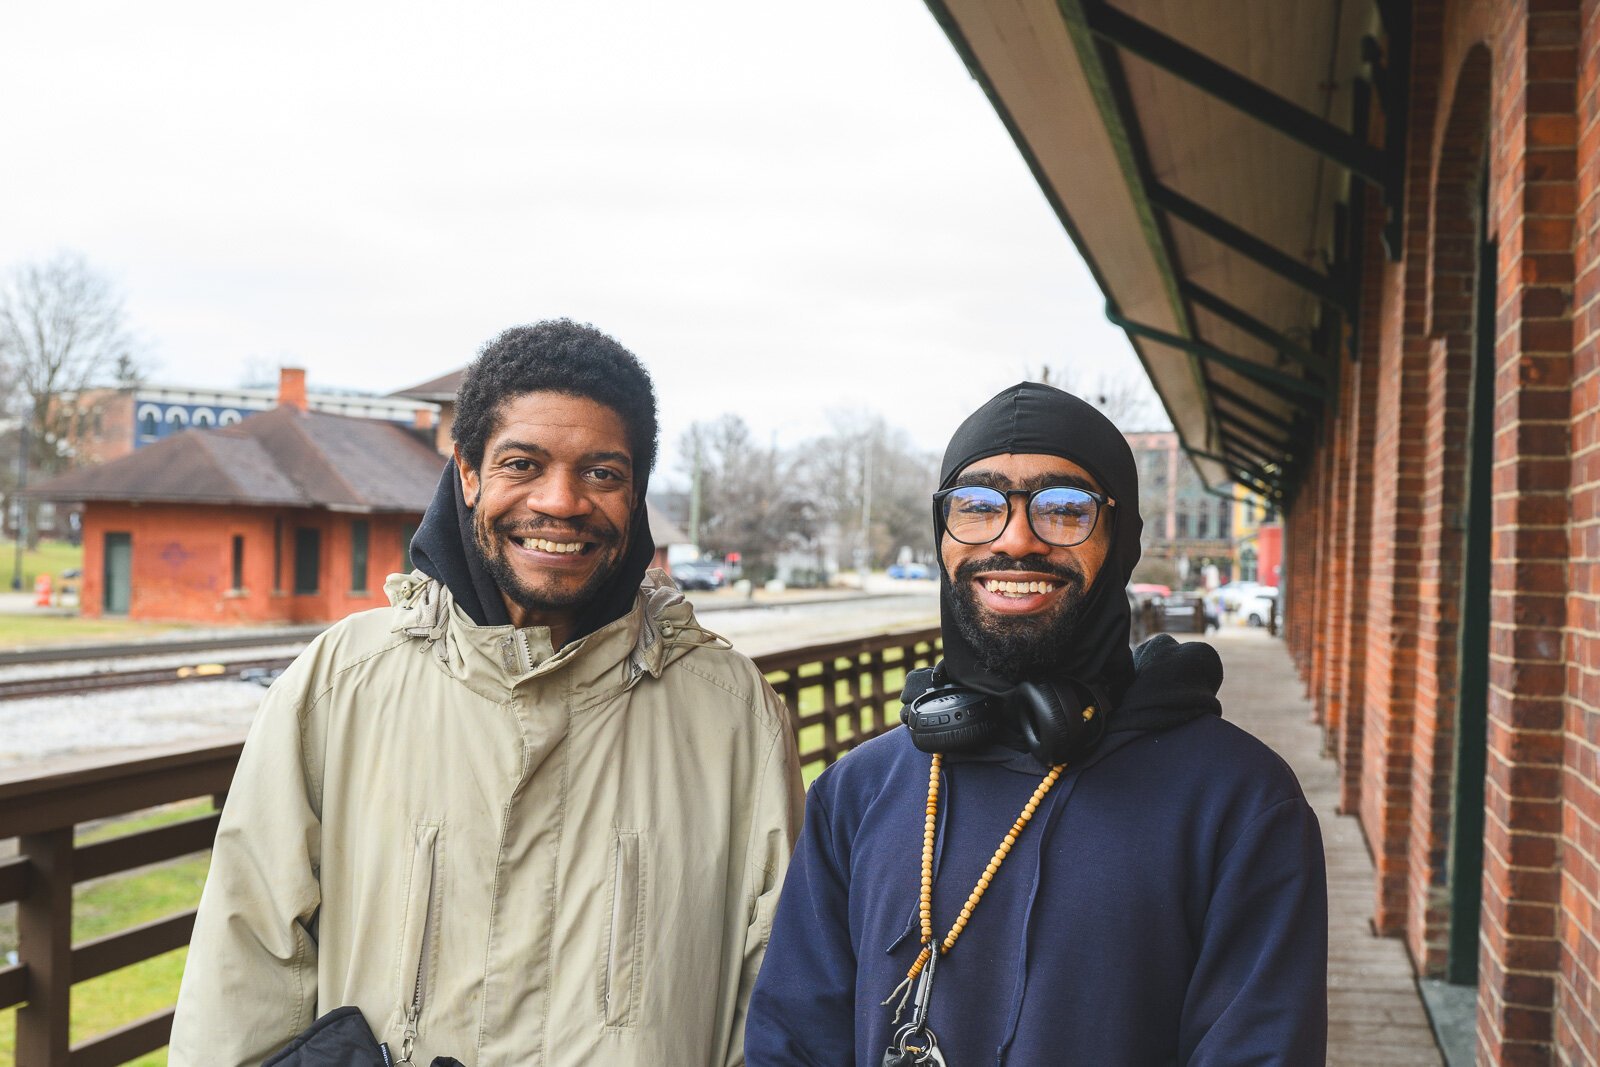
62, 685
287, 635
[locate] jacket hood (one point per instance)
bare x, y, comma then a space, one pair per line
1030, 418
1173, 682
659, 627
445, 550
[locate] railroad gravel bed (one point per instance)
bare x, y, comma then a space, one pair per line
50, 728
21, 671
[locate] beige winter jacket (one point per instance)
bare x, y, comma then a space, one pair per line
519, 856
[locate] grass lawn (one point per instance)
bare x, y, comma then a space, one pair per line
114, 904
31, 631
51, 557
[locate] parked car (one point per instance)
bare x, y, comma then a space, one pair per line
699, 574
1259, 609
1232, 596
910, 570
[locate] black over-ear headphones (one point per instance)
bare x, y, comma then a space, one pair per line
1060, 720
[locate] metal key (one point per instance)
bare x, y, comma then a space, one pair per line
914, 1044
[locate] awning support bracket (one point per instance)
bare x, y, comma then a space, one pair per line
1249, 245
1256, 436
1253, 326
1265, 375
1244, 473
1206, 74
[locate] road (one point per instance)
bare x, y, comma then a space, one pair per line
50, 728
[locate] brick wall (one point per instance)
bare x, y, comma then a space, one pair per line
1375, 537
182, 562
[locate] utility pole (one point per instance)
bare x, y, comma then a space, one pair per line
19, 509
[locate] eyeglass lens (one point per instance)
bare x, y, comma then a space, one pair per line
1060, 515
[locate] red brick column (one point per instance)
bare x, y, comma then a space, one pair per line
1336, 534
1458, 167
1363, 390
1297, 534
1532, 197
1577, 1022
1399, 468
1327, 588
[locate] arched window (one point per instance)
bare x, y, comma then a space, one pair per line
203, 418
149, 422
228, 417
177, 418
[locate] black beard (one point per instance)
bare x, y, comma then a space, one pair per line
1021, 646
491, 553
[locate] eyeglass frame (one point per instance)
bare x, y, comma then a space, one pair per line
1101, 501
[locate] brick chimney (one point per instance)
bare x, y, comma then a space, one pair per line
292, 388
422, 419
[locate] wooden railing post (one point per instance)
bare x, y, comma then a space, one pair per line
44, 946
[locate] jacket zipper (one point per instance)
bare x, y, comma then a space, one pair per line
427, 842
620, 983
616, 918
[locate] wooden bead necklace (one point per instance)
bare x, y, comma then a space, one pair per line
929, 826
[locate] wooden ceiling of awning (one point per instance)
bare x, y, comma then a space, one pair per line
1212, 233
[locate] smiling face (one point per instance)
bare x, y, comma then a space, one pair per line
551, 505
1017, 598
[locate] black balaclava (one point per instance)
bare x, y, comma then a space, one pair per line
1031, 419
446, 550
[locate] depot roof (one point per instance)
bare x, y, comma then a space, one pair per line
283, 457
1210, 160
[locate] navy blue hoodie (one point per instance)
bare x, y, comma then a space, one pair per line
1167, 904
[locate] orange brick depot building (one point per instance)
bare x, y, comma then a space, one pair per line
1356, 245
287, 516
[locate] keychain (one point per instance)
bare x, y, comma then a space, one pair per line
914, 1044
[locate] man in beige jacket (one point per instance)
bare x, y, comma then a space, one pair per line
532, 813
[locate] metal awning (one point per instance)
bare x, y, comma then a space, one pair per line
1210, 161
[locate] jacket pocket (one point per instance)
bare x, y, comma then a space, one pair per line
419, 930
622, 964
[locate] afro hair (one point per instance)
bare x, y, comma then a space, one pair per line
558, 356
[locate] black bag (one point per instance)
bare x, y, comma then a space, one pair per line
340, 1038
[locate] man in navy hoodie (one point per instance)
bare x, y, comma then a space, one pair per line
1069, 857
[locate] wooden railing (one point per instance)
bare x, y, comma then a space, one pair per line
838, 695
841, 694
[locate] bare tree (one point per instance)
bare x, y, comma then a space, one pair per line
746, 500
869, 481
1127, 400
61, 331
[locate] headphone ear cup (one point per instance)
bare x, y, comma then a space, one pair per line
951, 718
974, 734
1052, 717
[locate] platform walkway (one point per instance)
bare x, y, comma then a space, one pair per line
1375, 1014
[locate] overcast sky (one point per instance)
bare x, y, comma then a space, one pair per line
781, 208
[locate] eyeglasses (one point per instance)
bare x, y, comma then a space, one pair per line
1060, 515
